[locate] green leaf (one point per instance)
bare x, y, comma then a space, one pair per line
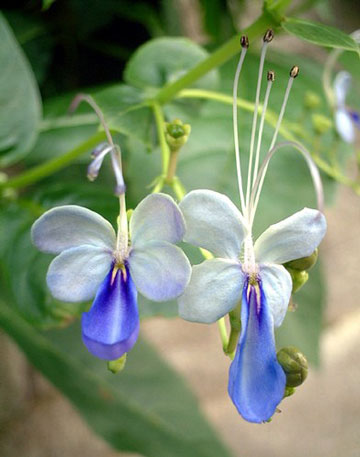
320, 34
125, 110
164, 60
20, 101
146, 409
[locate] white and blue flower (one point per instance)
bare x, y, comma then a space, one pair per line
245, 273
93, 261
346, 119
250, 274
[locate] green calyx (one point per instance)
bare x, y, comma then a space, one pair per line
295, 366
299, 278
304, 263
117, 365
176, 134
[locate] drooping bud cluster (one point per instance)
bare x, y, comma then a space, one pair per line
294, 364
299, 268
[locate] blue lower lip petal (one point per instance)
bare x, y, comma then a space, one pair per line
110, 328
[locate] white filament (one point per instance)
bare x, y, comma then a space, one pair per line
235, 127
254, 122
261, 128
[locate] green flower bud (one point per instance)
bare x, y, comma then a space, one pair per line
312, 100
299, 278
289, 391
295, 366
321, 123
176, 134
3, 177
304, 263
9, 194
117, 365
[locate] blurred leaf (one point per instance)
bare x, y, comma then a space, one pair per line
124, 110
320, 34
20, 100
146, 409
164, 60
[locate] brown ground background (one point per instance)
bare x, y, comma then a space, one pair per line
322, 419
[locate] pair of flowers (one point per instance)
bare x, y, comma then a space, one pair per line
92, 262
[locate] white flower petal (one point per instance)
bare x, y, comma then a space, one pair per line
213, 222
344, 125
160, 270
157, 217
76, 273
277, 286
342, 84
68, 226
295, 237
215, 288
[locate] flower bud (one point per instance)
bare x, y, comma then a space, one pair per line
304, 263
117, 365
294, 364
312, 100
299, 278
176, 134
289, 391
321, 123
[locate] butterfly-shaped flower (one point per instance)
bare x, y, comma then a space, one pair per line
261, 284
248, 274
346, 119
92, 261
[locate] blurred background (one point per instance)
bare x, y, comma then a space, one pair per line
77, 45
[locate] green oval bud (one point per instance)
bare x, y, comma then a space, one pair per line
312, 100
321, 123
304, 263
294, 364
289, 391
117, 365
299, 278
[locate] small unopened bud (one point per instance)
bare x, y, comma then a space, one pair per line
244, 41
299, 278
269, 35
311, 100
294, 72
176, 134
294, 364
289, 391
271, 76
117, 365
305, 263
321, 123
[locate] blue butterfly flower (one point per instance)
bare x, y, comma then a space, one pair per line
345, 118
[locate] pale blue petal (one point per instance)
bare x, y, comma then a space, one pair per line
76, 273
68, 226
160, 270
256, 379
213, 222
294, 237
215, 289
344, 125
157, 217
277, 285
111, 327
342, 84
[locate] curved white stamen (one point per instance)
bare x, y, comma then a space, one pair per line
254, 122
235, 127
312, 168
257, 187
261, 128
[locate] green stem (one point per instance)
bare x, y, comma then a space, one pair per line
51, 166
235, 324
223, 333
160, 122
216, 59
